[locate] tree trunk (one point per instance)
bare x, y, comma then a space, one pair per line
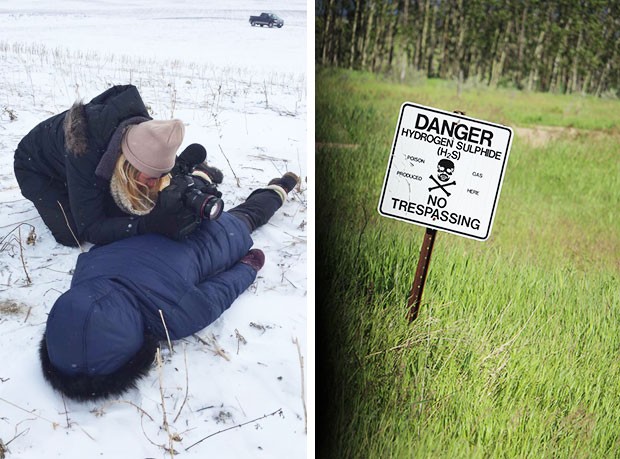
520, 49
534, 72
458, 61
377, 47
431, 43
557, 61
421, 52
352, 56
445, 42
586, 84
367, 36
491, 61
575, 71
404, 40
392, 38
602, 82
327, 39
498, 67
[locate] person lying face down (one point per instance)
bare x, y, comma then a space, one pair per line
101, 335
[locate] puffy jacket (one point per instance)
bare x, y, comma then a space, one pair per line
119, 289
79, 147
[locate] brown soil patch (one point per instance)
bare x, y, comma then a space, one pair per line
539, 136
335, 145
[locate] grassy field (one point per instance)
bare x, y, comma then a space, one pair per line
516, 352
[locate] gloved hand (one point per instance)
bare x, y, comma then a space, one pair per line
169, 217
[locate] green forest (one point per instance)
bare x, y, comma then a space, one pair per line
559, 46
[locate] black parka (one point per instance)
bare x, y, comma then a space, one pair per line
79, 147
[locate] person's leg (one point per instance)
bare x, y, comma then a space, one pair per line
51, 200
263, 203
57, 216
217, 294
258, 208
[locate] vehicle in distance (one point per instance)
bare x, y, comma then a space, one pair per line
267, 19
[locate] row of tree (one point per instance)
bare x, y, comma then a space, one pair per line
556, 45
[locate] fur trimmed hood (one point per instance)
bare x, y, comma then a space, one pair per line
76, 129
84, 387
96, 343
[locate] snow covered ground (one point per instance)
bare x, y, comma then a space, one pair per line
242, 92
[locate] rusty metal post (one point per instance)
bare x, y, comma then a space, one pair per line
415, 296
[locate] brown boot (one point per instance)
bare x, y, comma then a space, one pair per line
255, 258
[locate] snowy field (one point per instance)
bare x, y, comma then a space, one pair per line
242, 93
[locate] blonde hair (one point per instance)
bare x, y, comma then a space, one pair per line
139, 197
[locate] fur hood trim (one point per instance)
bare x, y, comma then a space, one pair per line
121, 199
76, 129
76, 137
83, 387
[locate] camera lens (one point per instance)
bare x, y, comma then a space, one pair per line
212, 208
204, 205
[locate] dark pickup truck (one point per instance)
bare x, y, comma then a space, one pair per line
267, 19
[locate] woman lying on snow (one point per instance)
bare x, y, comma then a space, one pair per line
102, 334
93, 172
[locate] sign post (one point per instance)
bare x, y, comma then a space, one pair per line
415, 296
444, 173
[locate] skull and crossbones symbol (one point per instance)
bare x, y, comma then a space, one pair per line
445, 169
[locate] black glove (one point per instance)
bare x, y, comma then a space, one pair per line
169, 217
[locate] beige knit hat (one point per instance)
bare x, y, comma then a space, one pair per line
151, 146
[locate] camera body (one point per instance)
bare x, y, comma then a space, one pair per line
196, 194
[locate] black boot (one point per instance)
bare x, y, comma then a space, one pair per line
214, 173
288, 181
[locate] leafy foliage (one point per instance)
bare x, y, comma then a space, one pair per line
555, 46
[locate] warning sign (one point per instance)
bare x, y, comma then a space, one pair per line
445, 171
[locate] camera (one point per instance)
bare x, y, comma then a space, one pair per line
196, 194
201, 198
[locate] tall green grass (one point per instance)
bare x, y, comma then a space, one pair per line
516, 352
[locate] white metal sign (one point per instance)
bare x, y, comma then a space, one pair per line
445, 171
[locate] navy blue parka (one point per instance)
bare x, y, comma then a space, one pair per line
119, 289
